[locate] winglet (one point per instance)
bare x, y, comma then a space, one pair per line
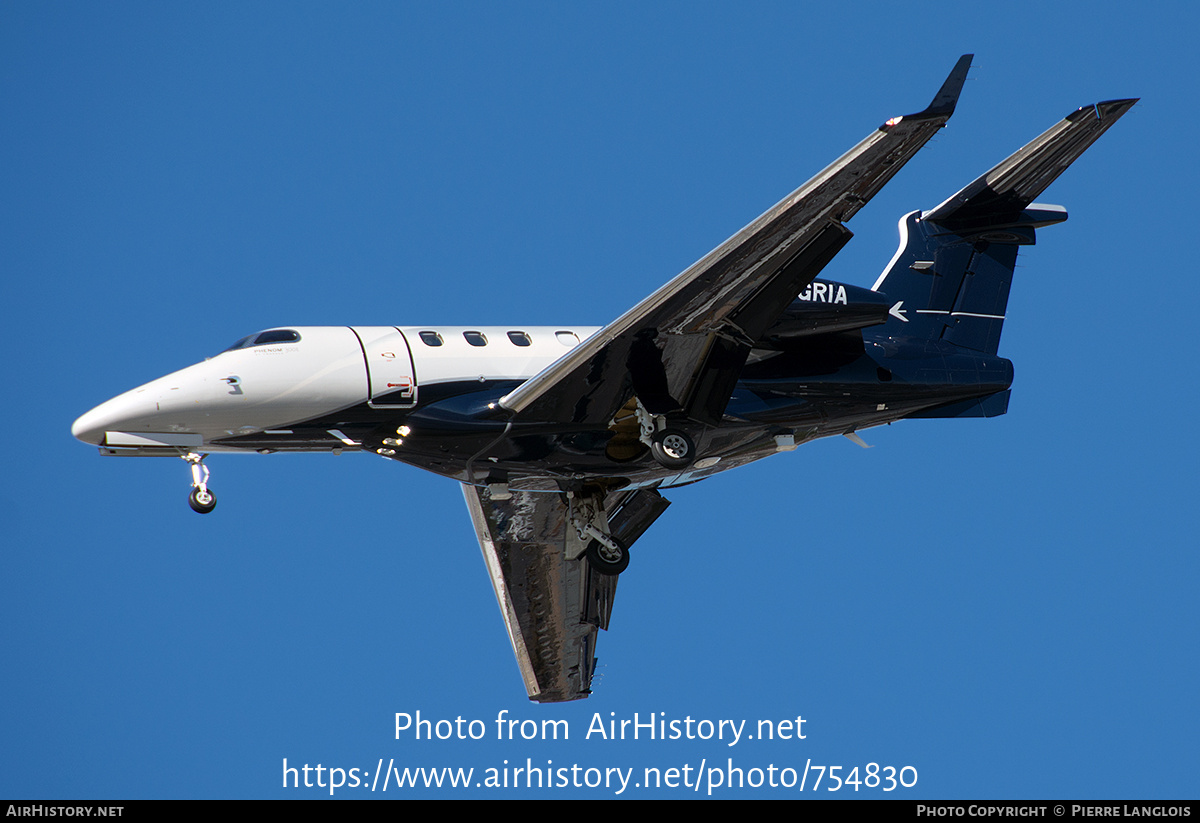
947, 97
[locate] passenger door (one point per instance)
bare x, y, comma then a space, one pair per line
390, 373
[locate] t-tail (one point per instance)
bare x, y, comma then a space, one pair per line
950, 278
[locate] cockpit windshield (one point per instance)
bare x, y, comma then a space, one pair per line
265, 337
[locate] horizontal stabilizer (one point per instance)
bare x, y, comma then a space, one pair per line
1001, 195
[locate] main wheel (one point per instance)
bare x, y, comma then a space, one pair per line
673, 449
606, 561
202, 502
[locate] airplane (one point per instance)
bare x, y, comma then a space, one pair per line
563, 438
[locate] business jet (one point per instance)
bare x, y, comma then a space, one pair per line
564, 437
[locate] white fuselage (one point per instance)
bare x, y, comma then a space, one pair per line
269, 386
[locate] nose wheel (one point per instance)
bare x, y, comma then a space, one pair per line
201, 499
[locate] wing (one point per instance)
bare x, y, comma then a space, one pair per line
551, 601
682, 348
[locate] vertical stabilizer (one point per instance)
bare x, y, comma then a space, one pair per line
950, 277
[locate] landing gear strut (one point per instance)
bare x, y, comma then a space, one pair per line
605, 554
201, 499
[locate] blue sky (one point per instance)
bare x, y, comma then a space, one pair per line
1007, 606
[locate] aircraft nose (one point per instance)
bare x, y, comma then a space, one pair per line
88, 427
111, 415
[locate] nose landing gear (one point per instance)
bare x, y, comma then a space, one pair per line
201, 499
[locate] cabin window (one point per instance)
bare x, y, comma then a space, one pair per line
567, 338
475, 338
519, 338
431, 338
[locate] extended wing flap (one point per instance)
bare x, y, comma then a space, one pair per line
660, 349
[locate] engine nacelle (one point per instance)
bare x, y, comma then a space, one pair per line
826, 307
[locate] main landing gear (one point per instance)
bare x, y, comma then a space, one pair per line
671, 448
605, 554
201, 499
608, 556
